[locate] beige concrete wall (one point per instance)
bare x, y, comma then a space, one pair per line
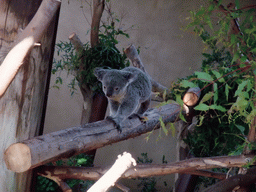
167, 52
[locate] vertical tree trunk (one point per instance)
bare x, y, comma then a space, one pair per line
99, 102
22, 104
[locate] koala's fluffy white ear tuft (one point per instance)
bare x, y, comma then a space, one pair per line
99, 73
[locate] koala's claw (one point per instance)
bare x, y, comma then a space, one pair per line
117, 126
141, 118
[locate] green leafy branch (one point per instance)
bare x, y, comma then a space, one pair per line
82, 64
226, 79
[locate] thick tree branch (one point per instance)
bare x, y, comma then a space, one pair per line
20, 157
85, 90
206, 173
41, 20
74, 39
193, 165
13, 61
25, 41
98, 8
123, 163
192, 96
64, 186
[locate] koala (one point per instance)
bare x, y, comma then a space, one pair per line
126, 90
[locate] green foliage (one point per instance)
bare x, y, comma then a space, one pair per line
203, 19
226, 79
105, 54
44, 184
222, 127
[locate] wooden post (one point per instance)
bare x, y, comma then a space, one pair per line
21, 104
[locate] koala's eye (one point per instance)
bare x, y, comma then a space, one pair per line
116, 88
104, 87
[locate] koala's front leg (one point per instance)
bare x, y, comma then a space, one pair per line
117, 123
144, 107
114, 105
125, 110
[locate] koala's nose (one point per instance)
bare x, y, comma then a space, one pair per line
109, 94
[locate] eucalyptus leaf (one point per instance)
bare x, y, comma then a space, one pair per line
218, 107
173, 129
241, 87
216, 96
202, 107
163, 126
204, 76
218, 76
206, 97
182, 117
227, 91
186, 83
241, 128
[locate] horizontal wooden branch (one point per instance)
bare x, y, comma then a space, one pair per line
25, 155
206, 173
146, 170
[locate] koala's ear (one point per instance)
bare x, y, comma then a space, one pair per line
99, 73
129, 76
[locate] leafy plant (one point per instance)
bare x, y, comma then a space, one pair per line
44, 184
226, 79
105, 54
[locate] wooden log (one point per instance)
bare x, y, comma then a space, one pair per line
192, 96
95, 104
25, 41
98, 8
20, 157
22, 103
123, 163
193, 165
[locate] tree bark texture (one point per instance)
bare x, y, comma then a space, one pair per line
34, 152
193, 165
109, 179
22, 103
98, 8
85, 90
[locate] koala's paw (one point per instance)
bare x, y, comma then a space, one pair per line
117, 125
141, 118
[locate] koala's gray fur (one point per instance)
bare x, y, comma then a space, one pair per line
126, 90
